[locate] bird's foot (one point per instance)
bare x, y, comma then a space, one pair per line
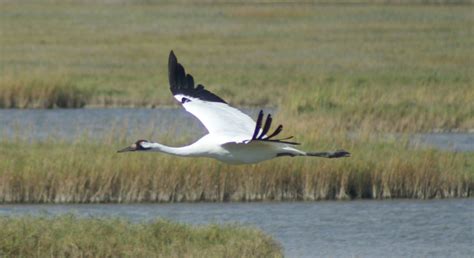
339, 154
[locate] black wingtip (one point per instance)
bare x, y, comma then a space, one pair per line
172, 58
257, 136
172, 62
182, 83
266, 127
258, 125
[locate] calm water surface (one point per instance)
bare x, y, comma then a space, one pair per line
133, 124
70, 124
399, 228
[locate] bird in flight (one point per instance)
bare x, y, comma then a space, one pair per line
233, 136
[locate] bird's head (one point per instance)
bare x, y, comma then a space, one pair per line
140, 145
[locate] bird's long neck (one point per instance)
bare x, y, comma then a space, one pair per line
178, 151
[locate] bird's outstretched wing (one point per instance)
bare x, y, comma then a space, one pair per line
225, 122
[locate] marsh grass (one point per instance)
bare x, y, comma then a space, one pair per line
90, 170
404, 109
71, 236
328, 68
54, 91
399, 66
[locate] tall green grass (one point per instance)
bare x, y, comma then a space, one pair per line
392, 66
70, 236
91, 171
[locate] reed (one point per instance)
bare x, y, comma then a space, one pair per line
55, 91
410, 63
71, 236
89, 171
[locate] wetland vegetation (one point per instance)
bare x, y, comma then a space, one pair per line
89, 170
71, 236
392, 66
330, 69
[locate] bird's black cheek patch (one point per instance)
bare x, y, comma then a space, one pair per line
184, 100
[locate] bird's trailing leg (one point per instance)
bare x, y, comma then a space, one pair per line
330, 155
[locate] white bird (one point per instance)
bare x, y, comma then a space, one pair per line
233, 136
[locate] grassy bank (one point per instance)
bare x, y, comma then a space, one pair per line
388, 66
70, 236
91, 171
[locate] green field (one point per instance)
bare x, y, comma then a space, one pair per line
70, 236
390, 67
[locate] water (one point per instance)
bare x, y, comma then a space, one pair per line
447, 141
133, 124
70, 124
399, 228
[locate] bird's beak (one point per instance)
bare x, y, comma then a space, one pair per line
129, 148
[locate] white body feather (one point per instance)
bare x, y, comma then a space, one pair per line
230, 152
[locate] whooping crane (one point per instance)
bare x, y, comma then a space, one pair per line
233, 136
